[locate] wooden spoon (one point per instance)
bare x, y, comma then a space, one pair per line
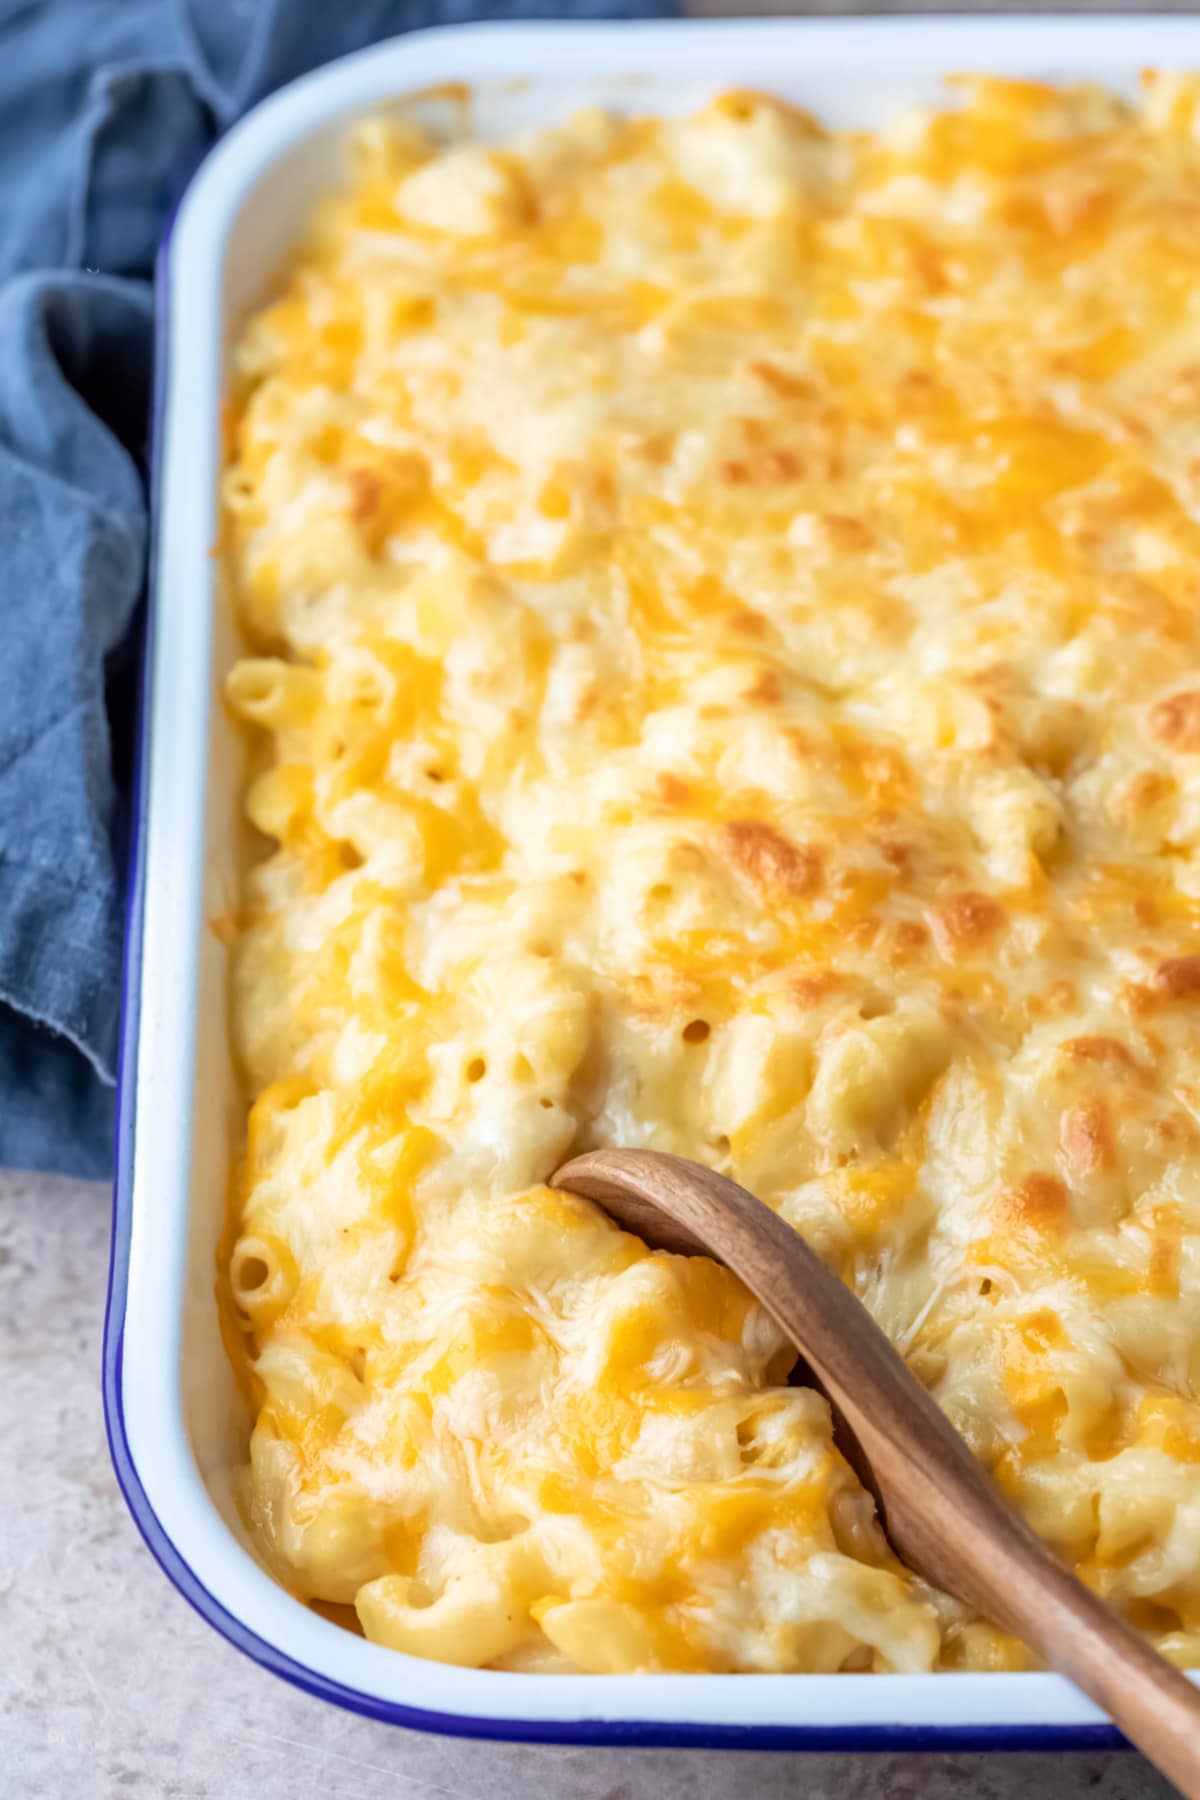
942, 1512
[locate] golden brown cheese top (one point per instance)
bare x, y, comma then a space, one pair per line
726, 611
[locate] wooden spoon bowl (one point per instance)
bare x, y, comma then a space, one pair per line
943, 1514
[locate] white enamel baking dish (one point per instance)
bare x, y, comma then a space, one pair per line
176, 1425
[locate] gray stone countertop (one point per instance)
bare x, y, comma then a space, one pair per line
110, 1686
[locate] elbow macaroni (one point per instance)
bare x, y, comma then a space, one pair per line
722, 612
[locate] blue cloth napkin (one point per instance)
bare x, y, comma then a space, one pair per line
106, 106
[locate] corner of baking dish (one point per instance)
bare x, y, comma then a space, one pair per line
154, 1460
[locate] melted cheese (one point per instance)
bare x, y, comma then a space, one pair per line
725, 678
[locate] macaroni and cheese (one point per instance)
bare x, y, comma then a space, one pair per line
724, 603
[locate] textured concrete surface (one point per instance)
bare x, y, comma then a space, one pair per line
111, 1687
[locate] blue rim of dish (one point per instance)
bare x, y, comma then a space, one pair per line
634, 1733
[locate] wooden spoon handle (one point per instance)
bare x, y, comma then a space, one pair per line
943, 1513
1151, 1701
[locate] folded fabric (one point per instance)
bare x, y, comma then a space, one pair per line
106, 106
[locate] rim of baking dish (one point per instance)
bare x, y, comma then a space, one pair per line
151, 1455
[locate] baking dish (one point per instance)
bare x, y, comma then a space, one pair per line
175, 1423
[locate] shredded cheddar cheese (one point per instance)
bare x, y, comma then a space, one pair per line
723, 617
